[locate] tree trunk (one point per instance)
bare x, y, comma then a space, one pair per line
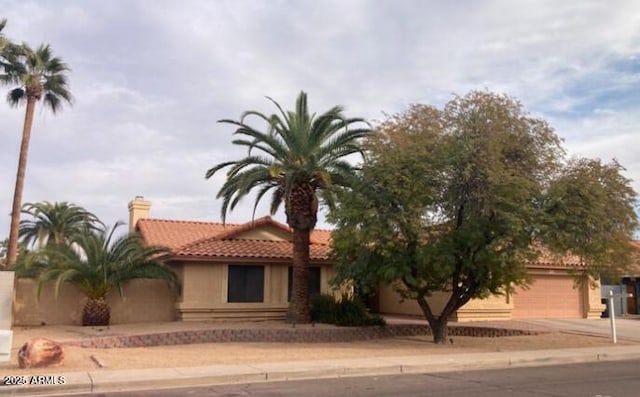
438, 324
440, 330
96, 312
299, 305
12, 251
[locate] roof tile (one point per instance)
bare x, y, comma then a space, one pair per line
250, 249
212, 239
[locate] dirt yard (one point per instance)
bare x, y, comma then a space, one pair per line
80, 359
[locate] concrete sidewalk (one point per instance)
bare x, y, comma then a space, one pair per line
626, 328
121, 380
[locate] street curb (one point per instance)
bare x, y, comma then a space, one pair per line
105, 380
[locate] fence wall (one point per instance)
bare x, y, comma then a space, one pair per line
143, 301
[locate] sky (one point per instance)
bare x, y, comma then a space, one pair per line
150, 79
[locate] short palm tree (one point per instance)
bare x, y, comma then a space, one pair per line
300, 156
38, 76
96, 262
54, 223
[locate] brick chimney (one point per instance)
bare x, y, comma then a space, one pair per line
138, 209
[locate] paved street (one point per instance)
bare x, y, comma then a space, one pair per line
627, 329
577, 380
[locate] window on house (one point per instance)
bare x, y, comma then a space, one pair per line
246, 284
314, 281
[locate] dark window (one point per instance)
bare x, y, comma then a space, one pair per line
314, 281
246, 284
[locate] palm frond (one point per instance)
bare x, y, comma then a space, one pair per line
298, 148
98, 261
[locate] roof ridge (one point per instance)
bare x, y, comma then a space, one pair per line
188, 221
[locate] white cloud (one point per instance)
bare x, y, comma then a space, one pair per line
151, 78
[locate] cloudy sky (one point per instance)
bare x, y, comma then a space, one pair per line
151, 78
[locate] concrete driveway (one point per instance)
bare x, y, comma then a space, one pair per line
626, 328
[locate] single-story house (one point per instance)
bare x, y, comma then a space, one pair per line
232, 271
243, 271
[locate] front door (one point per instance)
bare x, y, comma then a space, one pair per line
632, 307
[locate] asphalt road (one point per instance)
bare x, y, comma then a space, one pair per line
614, 378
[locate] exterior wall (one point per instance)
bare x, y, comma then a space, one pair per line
390, 302
265, 233
495, 307
144, 301
552, 294
593, 300
204, 292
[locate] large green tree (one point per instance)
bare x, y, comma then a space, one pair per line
54, 223
301, 159
591, 213
96, 262
456, 201
37, 75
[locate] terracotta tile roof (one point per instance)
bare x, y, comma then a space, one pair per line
250, 249
174, 234
213, 239
549, 260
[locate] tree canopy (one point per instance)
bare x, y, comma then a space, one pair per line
459, 199
96, 261
54, 223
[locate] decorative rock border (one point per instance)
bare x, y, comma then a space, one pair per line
290, 335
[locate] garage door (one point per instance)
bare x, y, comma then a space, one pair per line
548, 297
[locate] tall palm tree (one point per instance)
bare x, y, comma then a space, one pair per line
39, 76
54, 223
96, 263
301, 156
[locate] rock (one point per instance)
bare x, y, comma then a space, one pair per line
40, 352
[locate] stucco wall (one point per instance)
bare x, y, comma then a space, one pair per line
204, 295
583, 301
390, 302
144, 301
496, 307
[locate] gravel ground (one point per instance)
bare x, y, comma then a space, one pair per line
80, 359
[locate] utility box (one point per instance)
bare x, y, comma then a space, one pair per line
6, 304
6, 339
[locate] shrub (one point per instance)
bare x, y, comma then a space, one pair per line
350, 312
346, 312
323, 309
376, 320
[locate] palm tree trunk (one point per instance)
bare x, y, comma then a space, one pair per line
299, 305
96, 312
12, 251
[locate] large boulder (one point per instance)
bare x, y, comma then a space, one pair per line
40, 352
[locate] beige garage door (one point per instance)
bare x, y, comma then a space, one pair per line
548, 297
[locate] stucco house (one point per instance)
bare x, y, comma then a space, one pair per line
243, 271
232, 271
